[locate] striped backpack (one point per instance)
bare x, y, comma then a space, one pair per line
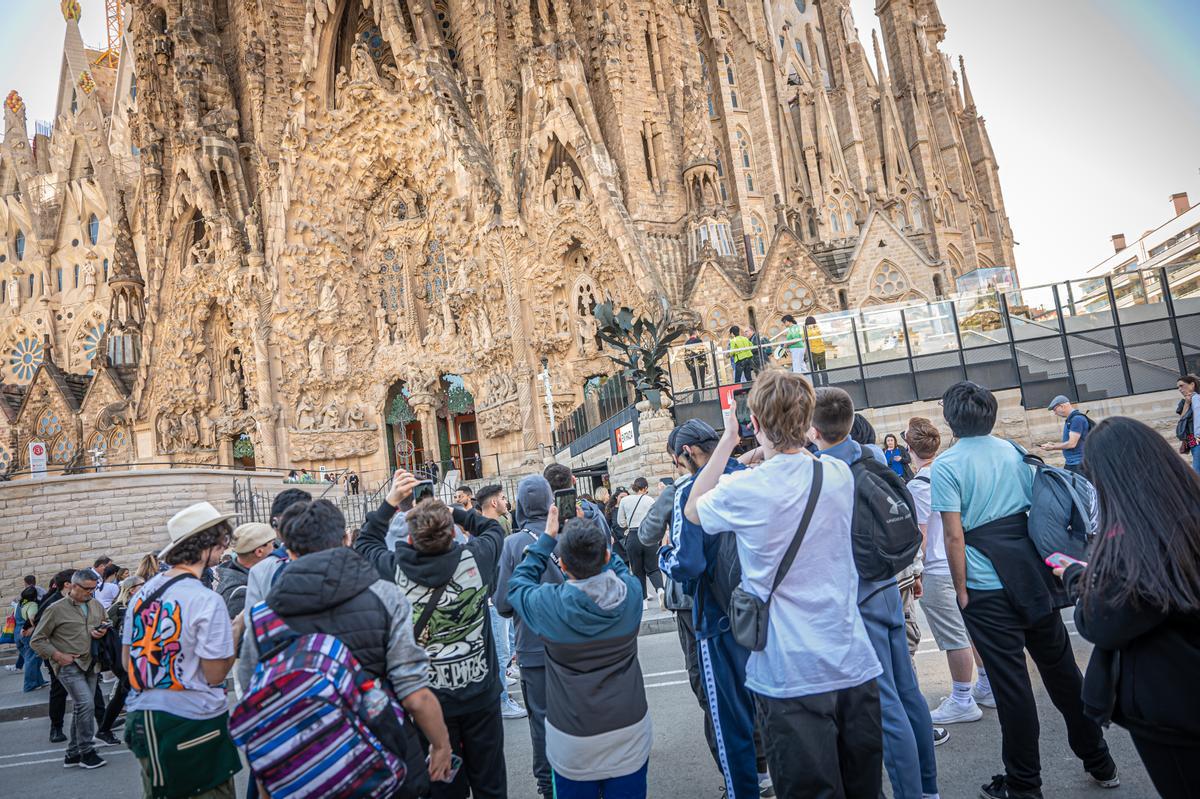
313, 723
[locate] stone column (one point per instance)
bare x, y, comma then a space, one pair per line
424, 407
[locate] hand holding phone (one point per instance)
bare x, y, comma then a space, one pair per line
566, 500
1058, 560
422, 490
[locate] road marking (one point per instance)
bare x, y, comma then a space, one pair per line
665, 684
665, 673
53, 759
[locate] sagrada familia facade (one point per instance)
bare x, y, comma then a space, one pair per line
323, 232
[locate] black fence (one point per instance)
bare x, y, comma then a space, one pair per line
252, 504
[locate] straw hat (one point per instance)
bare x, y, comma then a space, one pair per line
191, 520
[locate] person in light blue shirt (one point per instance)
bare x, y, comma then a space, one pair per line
1010, 601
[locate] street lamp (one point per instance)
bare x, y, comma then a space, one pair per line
545, 378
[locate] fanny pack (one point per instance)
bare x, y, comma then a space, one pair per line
749, 615
182, 757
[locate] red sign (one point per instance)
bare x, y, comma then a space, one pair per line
725, 393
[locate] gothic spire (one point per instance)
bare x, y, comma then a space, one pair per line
968, 99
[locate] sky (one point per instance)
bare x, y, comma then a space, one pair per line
1093, 107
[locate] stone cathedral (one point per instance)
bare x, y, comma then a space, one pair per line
339, 233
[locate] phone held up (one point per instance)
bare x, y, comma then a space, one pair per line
565, 500
1058, 560
421, 491
741, 412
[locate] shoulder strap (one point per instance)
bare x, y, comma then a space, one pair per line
920, 479
427, 613
814, 492
1028, 457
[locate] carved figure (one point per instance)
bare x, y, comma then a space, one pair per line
190, 431
327, 305
89, 279
588, 327
356, 418
203, 379
383, 329
305, 415
341, 360
331, 416
165, 444
316, 357
14, 295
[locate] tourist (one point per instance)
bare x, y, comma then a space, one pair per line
462, 497
116, 703
862, 433
762, 348
1074, 435
598, 729
1188, 429
1009, 600
560, 477
908, 735
1138, 601
148, 566
352, 481
178, 649
611, 509
695, 358
57, 704
493, 503
252, 543
31, 662
292, 477
816, 349
643, 560
897, 457
63, 638
794, 335
938, 599
741, 354
708, 565
366, 612
446, 583
31, 582
534, 500
814, 682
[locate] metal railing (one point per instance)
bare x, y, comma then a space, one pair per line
252, 504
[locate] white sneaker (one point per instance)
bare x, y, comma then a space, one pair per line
662, 599
511, 710
984, 698
509, 681
951, 711
513, 673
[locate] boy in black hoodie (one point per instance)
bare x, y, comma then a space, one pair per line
448, 585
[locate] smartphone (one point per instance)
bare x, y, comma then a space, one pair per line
1059, 560
565, 500
422, 490
741, 412
455, 764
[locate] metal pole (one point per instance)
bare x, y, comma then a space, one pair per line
1170, 301
962, 357
862, 375
1062, 333
1012, 343
912, 372
1112, 304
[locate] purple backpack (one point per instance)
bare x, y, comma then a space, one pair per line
312, 722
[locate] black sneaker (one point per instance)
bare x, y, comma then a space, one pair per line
108, 738
1106, 776
91, 760
940, 736
56, 735
998, 789
119, 722
70, 761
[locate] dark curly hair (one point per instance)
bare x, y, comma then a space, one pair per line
315, 526
191, 549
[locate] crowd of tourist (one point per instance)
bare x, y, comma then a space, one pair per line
378, 662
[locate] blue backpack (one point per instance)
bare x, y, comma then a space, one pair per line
1063, 513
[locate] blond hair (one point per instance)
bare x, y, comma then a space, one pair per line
922, 437
782, 402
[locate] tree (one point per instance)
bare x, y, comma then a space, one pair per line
640, 346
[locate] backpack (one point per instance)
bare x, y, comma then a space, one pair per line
306, 724
1063, 512
884, 533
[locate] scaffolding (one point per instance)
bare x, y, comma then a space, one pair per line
113, 11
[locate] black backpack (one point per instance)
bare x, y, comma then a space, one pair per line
884, 531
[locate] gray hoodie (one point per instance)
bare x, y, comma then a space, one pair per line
533, 503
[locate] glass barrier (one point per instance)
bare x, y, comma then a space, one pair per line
1139, 297
931, 328
837, 336
1085, 304
1184, 283
881, 336
980, 322
1032, 312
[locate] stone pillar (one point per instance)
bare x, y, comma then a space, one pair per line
654, 426
424, 407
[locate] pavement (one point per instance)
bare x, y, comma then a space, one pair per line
680, 764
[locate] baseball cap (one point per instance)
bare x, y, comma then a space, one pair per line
691, 432
1059, 400
249, 537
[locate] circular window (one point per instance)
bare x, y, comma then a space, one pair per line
888, 281
718, 321
117, 438
49, 424
795, 297
62, 450
25, 358
5, 459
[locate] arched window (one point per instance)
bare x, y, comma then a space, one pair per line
757, 238
93, 229
449, 41
721, 179
712, 110
743, 145
835, 220
848, 215
76, 283
801, 6
31, 285
19, 245
58, 279
105, 270
918, 219
3, 290
800, 50
948, 210
731, 79
435, 272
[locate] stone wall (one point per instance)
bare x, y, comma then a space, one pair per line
52, 524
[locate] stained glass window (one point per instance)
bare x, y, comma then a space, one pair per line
117, 438
25, 358
62, 450
390, 280
93, 229
49, 424
434, 275
97, 443
19, 245
91, 340
5, 459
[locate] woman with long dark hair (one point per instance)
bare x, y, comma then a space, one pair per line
897, 457
1138, 600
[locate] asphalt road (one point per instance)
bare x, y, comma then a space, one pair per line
680, 765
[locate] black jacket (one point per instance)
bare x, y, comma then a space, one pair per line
1144, 665
458, 635
231, 585
327, 592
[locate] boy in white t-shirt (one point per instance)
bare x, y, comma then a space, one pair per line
938, 599
815, 681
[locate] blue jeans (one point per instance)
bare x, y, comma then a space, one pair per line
32, 665
1196, 458
500, 628
907, 728
630, 786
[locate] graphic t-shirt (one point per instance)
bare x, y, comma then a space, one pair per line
166, 640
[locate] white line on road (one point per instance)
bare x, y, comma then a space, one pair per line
665, 673
108, 752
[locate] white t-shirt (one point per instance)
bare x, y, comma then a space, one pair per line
633, 509
935, 540
166, 640
106, 594
816, 640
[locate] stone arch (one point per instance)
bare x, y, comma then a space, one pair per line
717, 322
795, 297
888, 280
356, 27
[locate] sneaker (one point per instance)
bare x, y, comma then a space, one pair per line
765, 788
91, 760
983, 698
70, 761
998, 789
511, 710
951, 711
513, 673
11, 667
107, 738
56, 735
118, 722
940, 736
662, 604
509, 681
1106, 776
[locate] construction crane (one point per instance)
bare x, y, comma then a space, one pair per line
113, 11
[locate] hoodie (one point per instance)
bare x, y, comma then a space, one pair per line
337, 592
458, 634
533, 504
597, 722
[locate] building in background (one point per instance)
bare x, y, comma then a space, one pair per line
347, 235
1175, 241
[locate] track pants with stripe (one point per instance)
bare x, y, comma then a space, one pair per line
731, 706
